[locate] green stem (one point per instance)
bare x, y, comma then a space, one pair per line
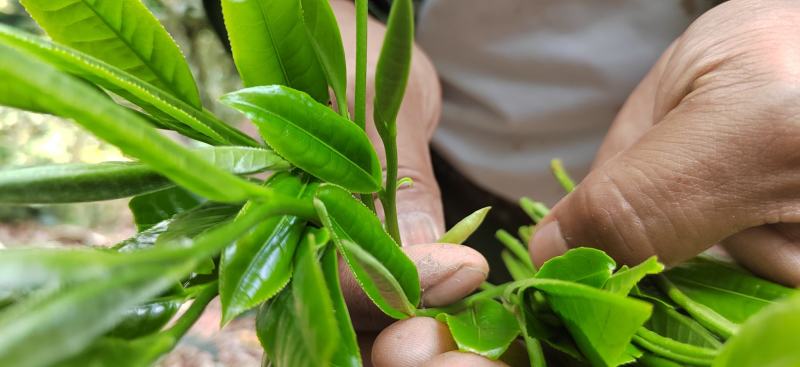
493, 292
513, 245
194, 312
701, 313
389, 193
361, 64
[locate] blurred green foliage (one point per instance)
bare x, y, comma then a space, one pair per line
31, 139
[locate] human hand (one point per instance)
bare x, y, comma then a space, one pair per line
704, 151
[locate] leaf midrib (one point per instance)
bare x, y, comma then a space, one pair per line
141, 57
272, 42
312, 136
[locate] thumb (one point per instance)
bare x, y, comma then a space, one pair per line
661, 198
419, 206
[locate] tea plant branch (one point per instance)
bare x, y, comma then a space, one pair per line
490, 293
702, 313
361, 64
194, 312
388, 195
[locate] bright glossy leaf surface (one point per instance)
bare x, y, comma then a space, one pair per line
311, 136
394, 63
326, 40
243, 160
601, 323
349, 220
122, 33
581, 265
259, 264
348, 353
485, 328
768, 339
465, 227
730, 291
155, 207
147, 318
25, 75
312, 303
167, 110
298, 327
271, 46
623, 281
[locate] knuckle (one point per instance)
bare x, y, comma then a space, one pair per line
611, 220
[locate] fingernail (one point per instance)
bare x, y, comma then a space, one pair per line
547, 242
461, 283
417, 227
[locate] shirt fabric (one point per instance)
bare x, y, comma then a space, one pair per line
525, 81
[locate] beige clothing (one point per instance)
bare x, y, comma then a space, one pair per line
525, 81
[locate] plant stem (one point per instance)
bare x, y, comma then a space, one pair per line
389, 193
702, 313
361, 64
493, 292
193, 313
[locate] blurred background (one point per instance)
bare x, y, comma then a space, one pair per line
31, 139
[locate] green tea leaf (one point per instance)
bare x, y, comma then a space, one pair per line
516, 267
144, 351
728, 290
390, 295
167, 110
534, 209
108, 351
68, 320
581, 265
122, 33
768, 339
243, 160
672, 324
541, 324
376, 260
82, 182
672, 349
312, 304
190, 224
705, 315
270, 46
466, 227
25, 75
519, 250
348, 353
78, 182
326, 40
259, 264
147, 318
562, 176
26, 269
601, 323
156, 207
485, 328
298, 327
623, 281
394, 63
311, 136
